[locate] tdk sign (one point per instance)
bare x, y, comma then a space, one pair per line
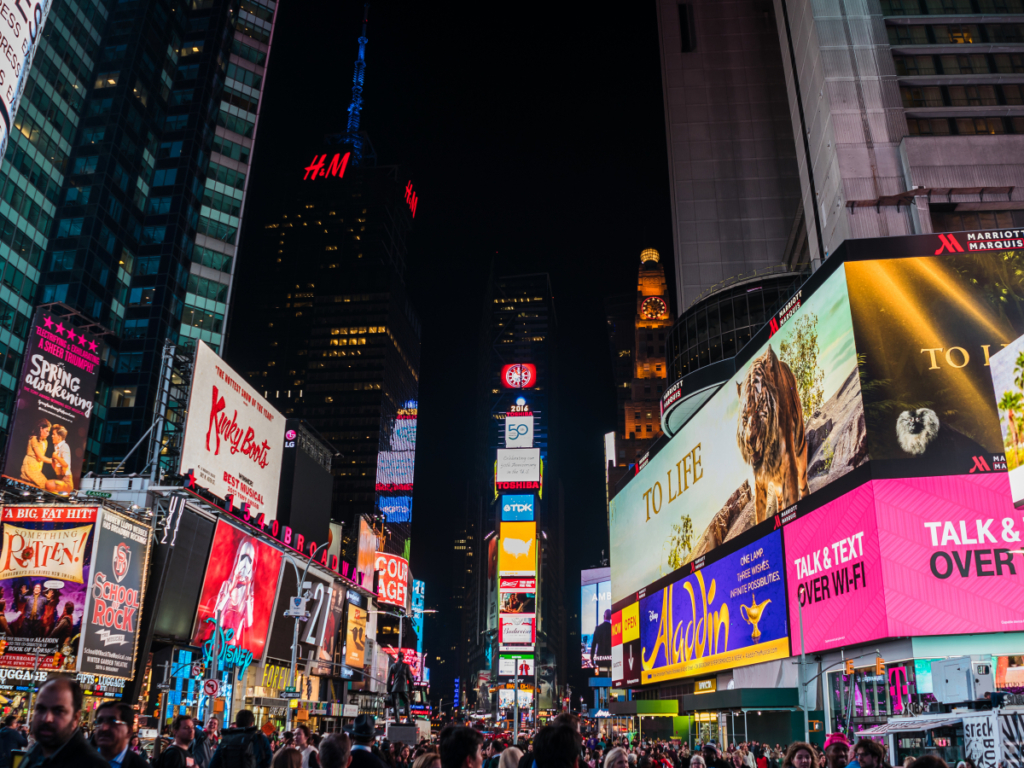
517, 507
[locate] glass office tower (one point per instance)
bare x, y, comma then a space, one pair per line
123, 189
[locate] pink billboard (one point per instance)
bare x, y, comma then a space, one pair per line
916, 556
833, 572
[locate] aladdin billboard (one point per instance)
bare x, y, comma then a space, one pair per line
234, 438
867, 461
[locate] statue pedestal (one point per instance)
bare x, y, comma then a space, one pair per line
407, 734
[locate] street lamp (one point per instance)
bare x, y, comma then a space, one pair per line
298, 610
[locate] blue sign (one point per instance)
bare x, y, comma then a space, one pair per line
396, 509
517, 507
728, 614
418, 604
456, 704
228, 654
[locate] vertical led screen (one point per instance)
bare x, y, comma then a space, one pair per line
787, 424
517, 586
517, 555
55, 399
45, 570
241, 584
395, 466
596, 619
418, 606
110, 631
234, 437
366, 556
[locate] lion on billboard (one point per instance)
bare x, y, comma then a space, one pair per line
770, 433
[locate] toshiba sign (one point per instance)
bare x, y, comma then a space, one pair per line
393, 579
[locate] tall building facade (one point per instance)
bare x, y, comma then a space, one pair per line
124, 185
341, 338
912, 111
517, 376
735, 187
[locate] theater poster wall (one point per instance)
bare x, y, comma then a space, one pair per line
118, 583
234, 437
241, 582
45, 570
55, 400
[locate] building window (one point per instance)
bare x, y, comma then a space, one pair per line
106, 80
141, 296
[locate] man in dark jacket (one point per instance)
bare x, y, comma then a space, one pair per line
363, 732
113, 722
235, 741
55, 727
10, 738
400, 682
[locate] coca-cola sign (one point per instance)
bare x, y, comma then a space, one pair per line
233, 437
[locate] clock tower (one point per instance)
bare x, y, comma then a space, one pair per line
650, 369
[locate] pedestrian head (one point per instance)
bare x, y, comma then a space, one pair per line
336, 751
697, 761
58, 713
616, 758
301, 736
183, 729
10, 720
244, 718
461, 747
426, 760
114, 721
557, 746
929, 761
510, 757
287, 757
567, 718
869, 754
799, 755
837, 751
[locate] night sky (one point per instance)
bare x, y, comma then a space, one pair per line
534, 135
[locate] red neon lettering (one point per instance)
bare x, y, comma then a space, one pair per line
299, 541
317, 166
287, 539
338, 165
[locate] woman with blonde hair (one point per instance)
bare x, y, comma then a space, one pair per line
35, 455
616, 758
510, 758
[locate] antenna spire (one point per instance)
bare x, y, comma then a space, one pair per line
356, 106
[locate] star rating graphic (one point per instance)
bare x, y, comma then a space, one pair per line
78, 338
48, 322
60, 329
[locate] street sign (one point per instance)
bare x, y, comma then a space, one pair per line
297, 608
99, 494
211, 687
291, 695
197, 669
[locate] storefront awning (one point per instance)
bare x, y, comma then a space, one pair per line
909, 724
644, 707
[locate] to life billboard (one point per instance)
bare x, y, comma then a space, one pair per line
234, 438
110, 634
45, 571
355, 637
55, 400
241, 582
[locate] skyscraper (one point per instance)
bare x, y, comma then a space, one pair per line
517, 375
125, 183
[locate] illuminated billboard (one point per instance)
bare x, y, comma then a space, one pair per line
517, 553
884, 370
517, 507
241, 581
751, 451
511, 663
393, 579
47, 440
46, 573
519, 430
519, 376
518, 465
596, 618
518, 629
396, 465
234, 437
727, 614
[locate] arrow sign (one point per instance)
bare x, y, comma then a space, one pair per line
631, 658
211, 687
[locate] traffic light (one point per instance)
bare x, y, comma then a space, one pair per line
879, 665
849, 666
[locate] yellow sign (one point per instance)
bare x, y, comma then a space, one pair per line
706, 686
355, 637
47, 554
302, 714
631, 623
517, 551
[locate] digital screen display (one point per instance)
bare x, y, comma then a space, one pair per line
517, 507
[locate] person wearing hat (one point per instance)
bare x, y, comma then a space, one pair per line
711, 758
837, 751
363, 732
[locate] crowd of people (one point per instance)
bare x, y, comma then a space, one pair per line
56, 739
